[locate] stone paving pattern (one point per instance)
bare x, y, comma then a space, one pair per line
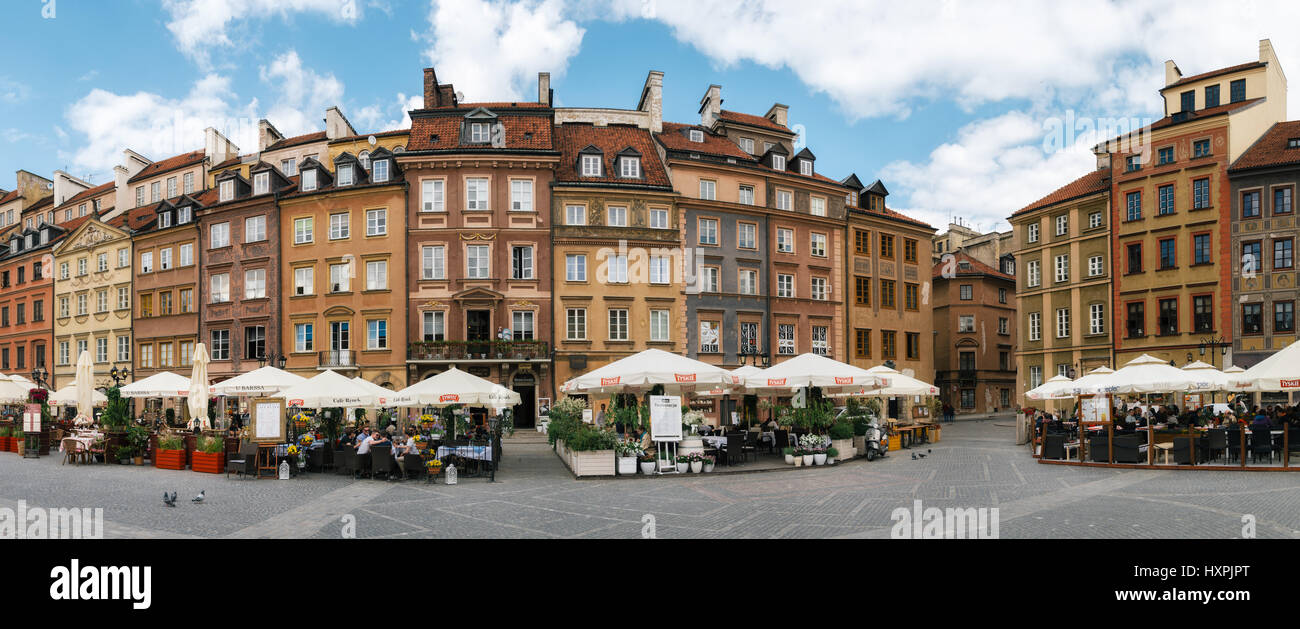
976, 465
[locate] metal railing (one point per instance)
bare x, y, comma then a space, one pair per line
338, 359
478, 350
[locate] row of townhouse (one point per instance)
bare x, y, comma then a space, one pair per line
1179, 245
523, 242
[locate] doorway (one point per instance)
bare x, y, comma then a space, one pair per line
478, 327
526, 410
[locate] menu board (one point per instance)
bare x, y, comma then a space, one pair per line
1096, 408
32, 418
268, 420
666, 417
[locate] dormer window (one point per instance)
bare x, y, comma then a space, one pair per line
13, 246
45, 236
27, 241
309, 179
480, 132
778, 162
345, 175
227, 190
164, 220
261, 183
805, 168
630, 167
1293, 143
747, 145
590, 165
697, 135
379, 172
183, 215
364, 158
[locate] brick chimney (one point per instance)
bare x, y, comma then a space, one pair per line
779, 114
267, 134
652, 100
711, 106
437, 94
544, 88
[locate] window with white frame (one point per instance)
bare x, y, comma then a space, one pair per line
746, 235
377, 275
618, 324
576, 324
101, 346
1063, 268
575, 215
966, 323
785, 339
1032, 232
340, 278
186, 254
819, 289
255, 284
255, 228
219, 235
304, 337
1035, 376
575, 267
1062, 224
164, 259
784, 200
303, 230
708, 189
227, 190
521, 195
785, 285
521, 262
261, 183
435, 326
747, 280
377, 334
630, 167
309, 179
187, 183
432, 195
171, 187
476, 193
1035, 326
477, 266
819, 343
590, 165
184, 215
1096, 319
817, 206
1094, 220
289, 167
1062, 323
746, 195
746, 145
219, 288
712, 279
616, 269
697, 135
708, 231
1095, 266
433, 264
1031, 273
616, 216
521, 325
340, 225
124, 299
345, 174
818, 244
146, 262
658, 218
101, 262
220, 349
377, 222
659, 326
660, 269
304, 280
805, 168
778, 162
785, 240
379, 171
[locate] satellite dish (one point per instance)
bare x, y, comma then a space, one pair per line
371, 140
460, 96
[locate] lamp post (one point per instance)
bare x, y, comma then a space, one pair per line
1210, 343
261, 360
38, 376
118, 375
280, 361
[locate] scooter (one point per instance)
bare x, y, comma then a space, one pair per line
877, 441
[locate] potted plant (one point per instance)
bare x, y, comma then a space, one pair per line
209, 455
170, 454
789, 455
628, 450
683, 463
708, 462
811, 444
137, 437
647, 463
697, 462
831, 453
841, 434
798, 457
592, 450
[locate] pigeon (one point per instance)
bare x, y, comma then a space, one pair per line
199, 498
169, 500
927, 450
921, 455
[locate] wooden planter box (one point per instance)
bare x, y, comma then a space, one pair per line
593, 463
4, 443
169, 459
208, 463
845, 448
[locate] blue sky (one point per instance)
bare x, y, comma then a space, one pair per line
946, 101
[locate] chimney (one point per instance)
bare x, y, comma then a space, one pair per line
779, 114
65, 186
34, 187
1266, 54
1172, 73
267, 135
430, 89
652, 100
217, 148
544, 88
1103, 158
711, 106
123, 193
337, 125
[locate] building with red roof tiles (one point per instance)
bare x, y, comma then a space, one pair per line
92, 298
166, 283
974, 326
479, 239
1063, 293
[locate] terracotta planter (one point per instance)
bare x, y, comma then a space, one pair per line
4, 444
169, 459
208, 463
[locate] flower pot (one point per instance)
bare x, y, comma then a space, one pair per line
830, 460
819, 458
789, 459
808, 459
697, 466
682, 467
627, 465
798, 461
169, 459
208, 463
708, 467
139, 460
647, 467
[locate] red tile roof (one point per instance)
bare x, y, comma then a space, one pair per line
1093, 182
674, 138
169, 164
975, 267
89, 193
381, 134
611, 140
9, 197
895, 215
1271, 149
523, 132
1220, 72
750, 119
308, 138
1200, 114
135, 219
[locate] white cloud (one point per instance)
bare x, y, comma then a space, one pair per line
12, 91
376, 117
303, 94
204, 26
492, 50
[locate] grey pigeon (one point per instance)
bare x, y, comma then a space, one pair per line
921, 455
169, 500
199, 498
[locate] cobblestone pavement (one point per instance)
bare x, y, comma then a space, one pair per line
976, 465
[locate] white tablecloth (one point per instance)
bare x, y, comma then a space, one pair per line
482, 453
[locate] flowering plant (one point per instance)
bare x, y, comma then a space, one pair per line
293, 450
812, 442
433, 465
683, 458
693, 418
628, 447
707, 458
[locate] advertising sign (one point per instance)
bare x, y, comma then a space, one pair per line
666, 417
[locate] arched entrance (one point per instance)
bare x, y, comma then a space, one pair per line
525, 384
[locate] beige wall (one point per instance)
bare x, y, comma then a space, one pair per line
88, 242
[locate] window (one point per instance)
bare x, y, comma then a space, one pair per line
146, 262
1201, 148
747, 280
1135, 322
785, 285
480, 132
1165, 156
254, 342
187, 300
435, 326
778, 162
379, 171
477, 265
785, 343
965, 291
220, 288
1251, 319
697, 135
219, 236
887, 294
255, 284
818, 245
708, 231
913, 341
1096, 319
887, 246
911, 296
1031, 232
616, 269
81, 267
261, 183
658, 218
521, 262
255, 228
660, 271
1132, 163
101, 263
819, 344
785, 240
746, 235
226, 189
1282, 201
303, 334
1237, 91
748, 338
63, 358
708, 337
1168, 317
862, 343
746, 145
1035, 326
1250, 204
576, 323
432, 197
805, 168
1063, 268
1062, 225
63, 270
220, 345
784, 200
1282, 253
345, 175
1094, 220
819, 289
909, 250
186, 254
340, 278
304, 280
187, 353
101, 346
861, 242
575, 267
1035, 376
164, 220
708, 190
101, 303
521, 325
861, 290
1200, 194
521, 195
630, 167
1251, 257
1134, 257
1004, 325
817, 206
377, 222
1133, 201
618, 324
887, 344
1283, 316
1211, 96
1165, 197
340, 226
712, 280
575, 215
1032, 274
124, 298
303, 231
966, 323
340, 335
1168, 254
476, 193
1095, 266
616, 216
377, 334
308, 179
746, 195
659, 320
155, 192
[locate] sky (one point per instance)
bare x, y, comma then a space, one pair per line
962, 108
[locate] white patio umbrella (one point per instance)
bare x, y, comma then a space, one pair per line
1208, 378
1057, 388
12, 393
85, 396
199, 388
643, 370
18, 379
325, 390
455, 387
264, 381
737, 385
814, 370
900, 384
1086, 384
164, 384
68, 396
1144, 374
383, 397
1279, 372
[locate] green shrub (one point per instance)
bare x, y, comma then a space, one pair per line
861, 424
210, 445
4, 431
842, 429
587, 438
832, 453
171, 442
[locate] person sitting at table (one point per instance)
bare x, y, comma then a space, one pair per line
373, 438
1261, 422
400, 451
361, 437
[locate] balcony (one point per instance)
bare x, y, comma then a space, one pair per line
488, 351
337, 359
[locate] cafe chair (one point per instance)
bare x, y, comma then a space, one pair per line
1182, 451
1234, 443
244, 464
1128, 448
344, 461
735, 448
361, 464
414, 466
1261, 445
1054, 447
381, 461
1098, 448
1216, 440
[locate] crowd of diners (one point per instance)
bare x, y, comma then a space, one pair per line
1131, 416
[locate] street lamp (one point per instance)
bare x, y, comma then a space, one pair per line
1212, 342
118, 375
38, 376
281, 360
261, 360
